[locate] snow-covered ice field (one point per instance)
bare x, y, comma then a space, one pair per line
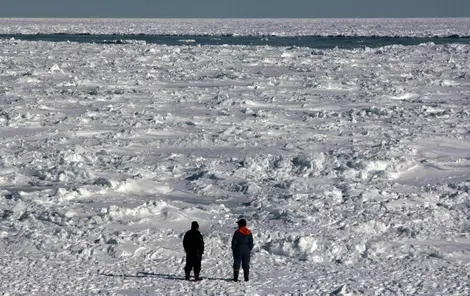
280, 27
352, 168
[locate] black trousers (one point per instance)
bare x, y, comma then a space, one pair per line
241, 257
193, 261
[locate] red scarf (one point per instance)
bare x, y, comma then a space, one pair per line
244, 230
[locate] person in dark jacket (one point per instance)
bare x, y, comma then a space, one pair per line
193, 244
242, 244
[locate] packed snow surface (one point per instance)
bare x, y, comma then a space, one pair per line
352, 168
412, 27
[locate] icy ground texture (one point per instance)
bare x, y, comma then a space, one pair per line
352, 168
280, 27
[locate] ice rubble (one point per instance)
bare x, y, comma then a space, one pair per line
350, 174
242, 27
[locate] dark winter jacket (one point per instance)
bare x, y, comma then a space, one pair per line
242, 240
193, 243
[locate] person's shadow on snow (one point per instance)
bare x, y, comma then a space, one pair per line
141, 274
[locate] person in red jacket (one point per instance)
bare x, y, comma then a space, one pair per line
193, 244
242, 244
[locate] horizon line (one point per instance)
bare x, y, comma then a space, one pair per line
236, 18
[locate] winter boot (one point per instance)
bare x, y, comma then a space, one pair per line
186, 274
246, 274
196, 275
235, 275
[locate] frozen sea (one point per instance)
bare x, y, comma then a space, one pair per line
319, 42
350, 162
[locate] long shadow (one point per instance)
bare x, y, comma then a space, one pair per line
142, 274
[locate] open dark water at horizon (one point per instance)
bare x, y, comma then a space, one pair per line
319, 42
